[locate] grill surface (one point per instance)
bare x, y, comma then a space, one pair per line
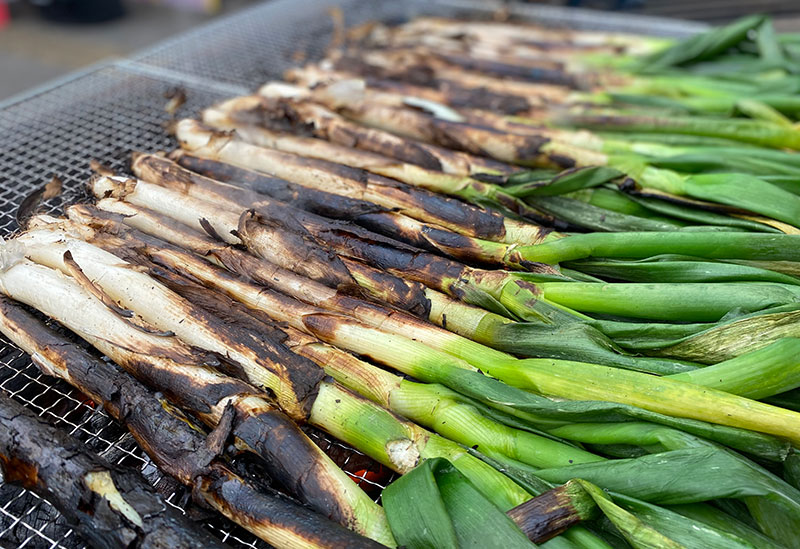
108, 111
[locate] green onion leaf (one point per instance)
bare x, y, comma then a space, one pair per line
436, 507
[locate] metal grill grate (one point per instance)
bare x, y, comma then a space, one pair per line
104, 115
107, 112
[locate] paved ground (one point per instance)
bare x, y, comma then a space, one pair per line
33, 51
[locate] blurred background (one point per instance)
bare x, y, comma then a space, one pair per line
43, 39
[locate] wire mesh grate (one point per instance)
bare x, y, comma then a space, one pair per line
108, 112
104, 115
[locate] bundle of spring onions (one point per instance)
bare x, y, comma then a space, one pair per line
679, 121
549, 278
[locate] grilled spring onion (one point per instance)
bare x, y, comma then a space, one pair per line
399, 64
332, 127
293, 385
534, 35
393, 224
326, 175
708, 53
426, 405
196, 211
119, 507
361, 377
654, 300
525, 150
456, 95
556, 378
557, 247
238, 114
287, 282
175, 446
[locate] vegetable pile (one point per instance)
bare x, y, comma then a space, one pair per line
551, 278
